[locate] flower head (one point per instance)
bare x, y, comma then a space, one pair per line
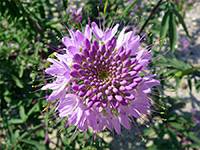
195, 116
76, 15
185, 44
98, 82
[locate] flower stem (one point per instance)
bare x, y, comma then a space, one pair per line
187, 71
153, 11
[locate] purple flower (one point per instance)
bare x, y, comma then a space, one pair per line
76, 41
11, 44
195, 116
129, 2
60, 71
101, 35
98, 82
76, 15
190, 1
185, 44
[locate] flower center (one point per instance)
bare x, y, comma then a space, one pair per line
105, 75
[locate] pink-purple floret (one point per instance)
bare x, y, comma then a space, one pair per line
76, 15
97, 82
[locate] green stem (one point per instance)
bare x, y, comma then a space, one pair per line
187, 71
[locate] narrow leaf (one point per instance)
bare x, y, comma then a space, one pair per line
148, 131
65, 3
180, 18
178, 82
37, 46
16, 121
17, 81
30, 130
173, 138
164, 27
35, 143
172, 32
20, 71
190, 84
34, 109
194, 137
176, 125
7, 99
22, 113
128, 8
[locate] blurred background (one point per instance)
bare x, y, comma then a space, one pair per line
29, 28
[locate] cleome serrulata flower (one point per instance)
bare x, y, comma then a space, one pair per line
98, 81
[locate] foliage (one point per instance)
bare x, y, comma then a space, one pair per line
23, 33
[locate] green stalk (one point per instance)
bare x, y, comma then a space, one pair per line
187, 71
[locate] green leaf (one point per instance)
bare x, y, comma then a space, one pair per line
183, 120
17, 81
31, 60
16, 121
194, 137
11, 135
128, 8
172, 31
20, 71
7, 99
37, 46
155, 31
45, 49
153, 146
24, 45
35, 143
178, 83
34, 109
176, 125
164, 27
194, 146
173, 138
65, 4
180, 18
22, 113
190, 84
16, 134
148, 131
30, 130
172, 118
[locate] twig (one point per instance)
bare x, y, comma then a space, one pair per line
153, 11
